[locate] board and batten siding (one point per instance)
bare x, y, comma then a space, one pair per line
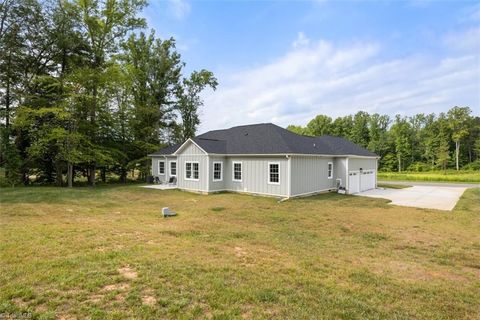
192, 153
163, 177
354, 164
340, 170
217, 185
310, 175
255, 175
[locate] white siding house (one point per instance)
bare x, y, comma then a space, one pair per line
245, 159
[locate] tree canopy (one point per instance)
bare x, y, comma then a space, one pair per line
84, 88
419, 142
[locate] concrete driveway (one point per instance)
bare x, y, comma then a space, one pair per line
430, 197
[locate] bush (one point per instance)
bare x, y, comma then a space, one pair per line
419, 167
475, 165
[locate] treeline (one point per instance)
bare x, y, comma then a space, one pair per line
418, 143
84, 90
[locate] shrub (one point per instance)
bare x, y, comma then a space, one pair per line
475, 165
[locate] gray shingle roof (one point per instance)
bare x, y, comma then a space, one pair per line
267, 138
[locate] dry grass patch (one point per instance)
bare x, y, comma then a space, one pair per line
234, 256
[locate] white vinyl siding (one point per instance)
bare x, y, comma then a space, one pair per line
217, 171
237, 171
161, 167
191, 153
255, 175
192, 170
309, 175
274, 173
173, 168
330, 170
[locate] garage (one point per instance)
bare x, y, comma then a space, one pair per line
361, 180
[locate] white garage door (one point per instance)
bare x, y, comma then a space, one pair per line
361, 181
354, 181
367, 180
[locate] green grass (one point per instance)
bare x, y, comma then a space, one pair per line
393, 186
440, 176
107, 253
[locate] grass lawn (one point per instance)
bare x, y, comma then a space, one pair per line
440, 176
393, 186
107, 253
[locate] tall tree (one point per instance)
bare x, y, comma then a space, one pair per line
377, 132
296, 129
319, 126
401, 135
103, 25
189, 100
360, 132
458, 119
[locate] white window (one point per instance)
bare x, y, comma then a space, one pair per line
217, 171
237, 171
173, 168
274, 173
330, 170
161, 167
191, 170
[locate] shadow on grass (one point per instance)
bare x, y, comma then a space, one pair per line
48, 194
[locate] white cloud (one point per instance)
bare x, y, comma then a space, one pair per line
180, 8
467, 40
301, 40
321, 77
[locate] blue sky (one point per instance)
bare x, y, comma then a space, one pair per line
287, 61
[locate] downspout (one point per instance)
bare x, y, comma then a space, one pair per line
208, 173
166, 169
347, 178
289, 174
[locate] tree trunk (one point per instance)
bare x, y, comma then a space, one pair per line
59, 175
399, 164
123, 176
103, 174
91, 175
457, 151
70, 174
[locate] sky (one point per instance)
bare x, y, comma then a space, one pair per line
287, 61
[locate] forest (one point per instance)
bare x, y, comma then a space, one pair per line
87, 92
422, 142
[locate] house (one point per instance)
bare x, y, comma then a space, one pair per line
268, 160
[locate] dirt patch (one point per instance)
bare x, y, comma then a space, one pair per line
149, 300
415, 272
128, 272
96, 298
148, 297
240, 252
65, 317
117, 286
20, 303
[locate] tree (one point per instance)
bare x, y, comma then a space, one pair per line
297, 129
458, 119
342, 127
401, 135
189, 100
443, 153
430, 139
319, 126
360, 132
103, 25
377, 132
154, 68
